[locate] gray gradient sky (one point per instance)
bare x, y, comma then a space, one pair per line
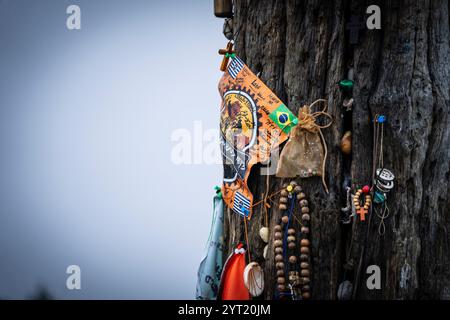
86, 119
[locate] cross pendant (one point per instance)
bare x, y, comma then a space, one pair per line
362, 213
225, 53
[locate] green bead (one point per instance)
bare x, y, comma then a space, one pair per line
346, 85
379, 197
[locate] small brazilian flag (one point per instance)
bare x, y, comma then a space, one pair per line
284, 118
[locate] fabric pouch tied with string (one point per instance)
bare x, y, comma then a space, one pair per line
304, 154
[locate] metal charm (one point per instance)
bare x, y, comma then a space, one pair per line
385, 174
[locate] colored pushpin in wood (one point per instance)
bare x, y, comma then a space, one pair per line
346, 85
226, 53
381, 118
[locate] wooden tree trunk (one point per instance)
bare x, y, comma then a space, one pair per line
301, 50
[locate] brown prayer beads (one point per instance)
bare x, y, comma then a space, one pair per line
290, 261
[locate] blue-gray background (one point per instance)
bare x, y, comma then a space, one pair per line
86, 118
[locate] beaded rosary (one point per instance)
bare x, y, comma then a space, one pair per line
362, 211
286, 257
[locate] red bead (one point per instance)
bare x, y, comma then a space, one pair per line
366, 189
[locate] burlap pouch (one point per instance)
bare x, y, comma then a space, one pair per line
304, 154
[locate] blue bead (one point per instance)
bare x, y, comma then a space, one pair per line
381, 119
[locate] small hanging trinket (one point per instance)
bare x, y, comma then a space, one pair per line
227, 54
345, 290
348, 104
228, 29
266, 248
362, 211
384, 180
254, 279
346, 143
347, 211
264, 234
384, 183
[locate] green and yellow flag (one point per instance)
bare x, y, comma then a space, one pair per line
284, 118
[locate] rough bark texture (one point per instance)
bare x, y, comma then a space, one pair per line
301, 50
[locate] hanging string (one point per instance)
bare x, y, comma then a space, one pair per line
385, 211
378, 162
246, 239
254, 281
384, 215
381, 146
266, 204
266, 199
375, 151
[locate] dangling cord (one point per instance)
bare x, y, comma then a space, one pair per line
252, 279
266, 202
384, 215
381, 159
375, 151
267, 198
385, 210
246, 240
379, 163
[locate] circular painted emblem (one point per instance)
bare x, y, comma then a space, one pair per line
238, 126
238, 122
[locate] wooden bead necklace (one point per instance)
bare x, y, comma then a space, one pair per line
289, 261
362, 211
